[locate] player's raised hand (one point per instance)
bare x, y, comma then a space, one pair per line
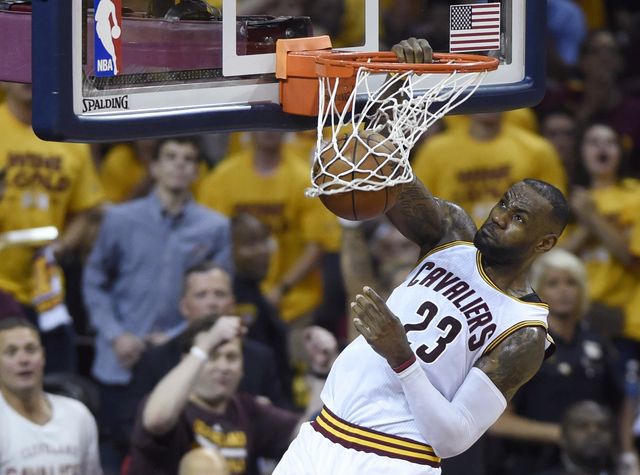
381, 328
413, 51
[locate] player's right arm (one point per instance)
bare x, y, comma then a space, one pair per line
429, 221
418, 215
515, 360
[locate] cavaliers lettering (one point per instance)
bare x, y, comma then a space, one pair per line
452, 313
47, 450
39, 449
474, 308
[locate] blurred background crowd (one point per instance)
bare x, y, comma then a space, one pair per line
161, 239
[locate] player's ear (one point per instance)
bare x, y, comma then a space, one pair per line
546, 243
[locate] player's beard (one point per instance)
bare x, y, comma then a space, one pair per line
495, 252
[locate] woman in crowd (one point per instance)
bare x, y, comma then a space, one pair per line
583, 367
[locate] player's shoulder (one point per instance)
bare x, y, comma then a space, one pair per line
515, 359
459, 226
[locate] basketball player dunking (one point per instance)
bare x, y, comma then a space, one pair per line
437, 363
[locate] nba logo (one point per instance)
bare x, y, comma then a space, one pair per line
108, 41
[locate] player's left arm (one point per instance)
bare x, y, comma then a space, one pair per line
515, 360
450, 426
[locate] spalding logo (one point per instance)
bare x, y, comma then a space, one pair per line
101, 103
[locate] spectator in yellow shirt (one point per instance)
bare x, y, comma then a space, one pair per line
472, 165
268, 182
605, 212
47, 184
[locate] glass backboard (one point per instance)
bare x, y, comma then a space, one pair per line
105, 71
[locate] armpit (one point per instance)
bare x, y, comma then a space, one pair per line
515, 360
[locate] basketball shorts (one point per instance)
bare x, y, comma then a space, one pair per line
313, 452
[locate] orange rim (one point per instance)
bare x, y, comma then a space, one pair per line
333, 64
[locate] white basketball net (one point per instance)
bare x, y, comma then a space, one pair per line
402, 118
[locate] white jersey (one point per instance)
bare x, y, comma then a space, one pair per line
66, 445
453, 314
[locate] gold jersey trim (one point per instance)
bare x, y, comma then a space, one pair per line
366, 440
441, 248
500, 338
488, 280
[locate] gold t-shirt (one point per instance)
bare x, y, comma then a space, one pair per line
46, 181
279, 202
476, 174
609, 281
523, 118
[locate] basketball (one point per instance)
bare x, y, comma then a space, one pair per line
358, 205
115, 32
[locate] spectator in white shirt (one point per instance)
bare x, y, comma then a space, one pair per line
39, 432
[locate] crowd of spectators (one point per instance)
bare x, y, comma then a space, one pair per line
165, 249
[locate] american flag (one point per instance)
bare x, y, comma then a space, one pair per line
474, 27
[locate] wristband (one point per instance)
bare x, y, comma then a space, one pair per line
199, 353
405, 365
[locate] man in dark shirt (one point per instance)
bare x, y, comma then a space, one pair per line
587, 441
197, 404
206, 291
582, 367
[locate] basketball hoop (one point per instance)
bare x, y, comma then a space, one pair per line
335, 85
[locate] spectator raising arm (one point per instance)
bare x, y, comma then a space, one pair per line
170, 396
